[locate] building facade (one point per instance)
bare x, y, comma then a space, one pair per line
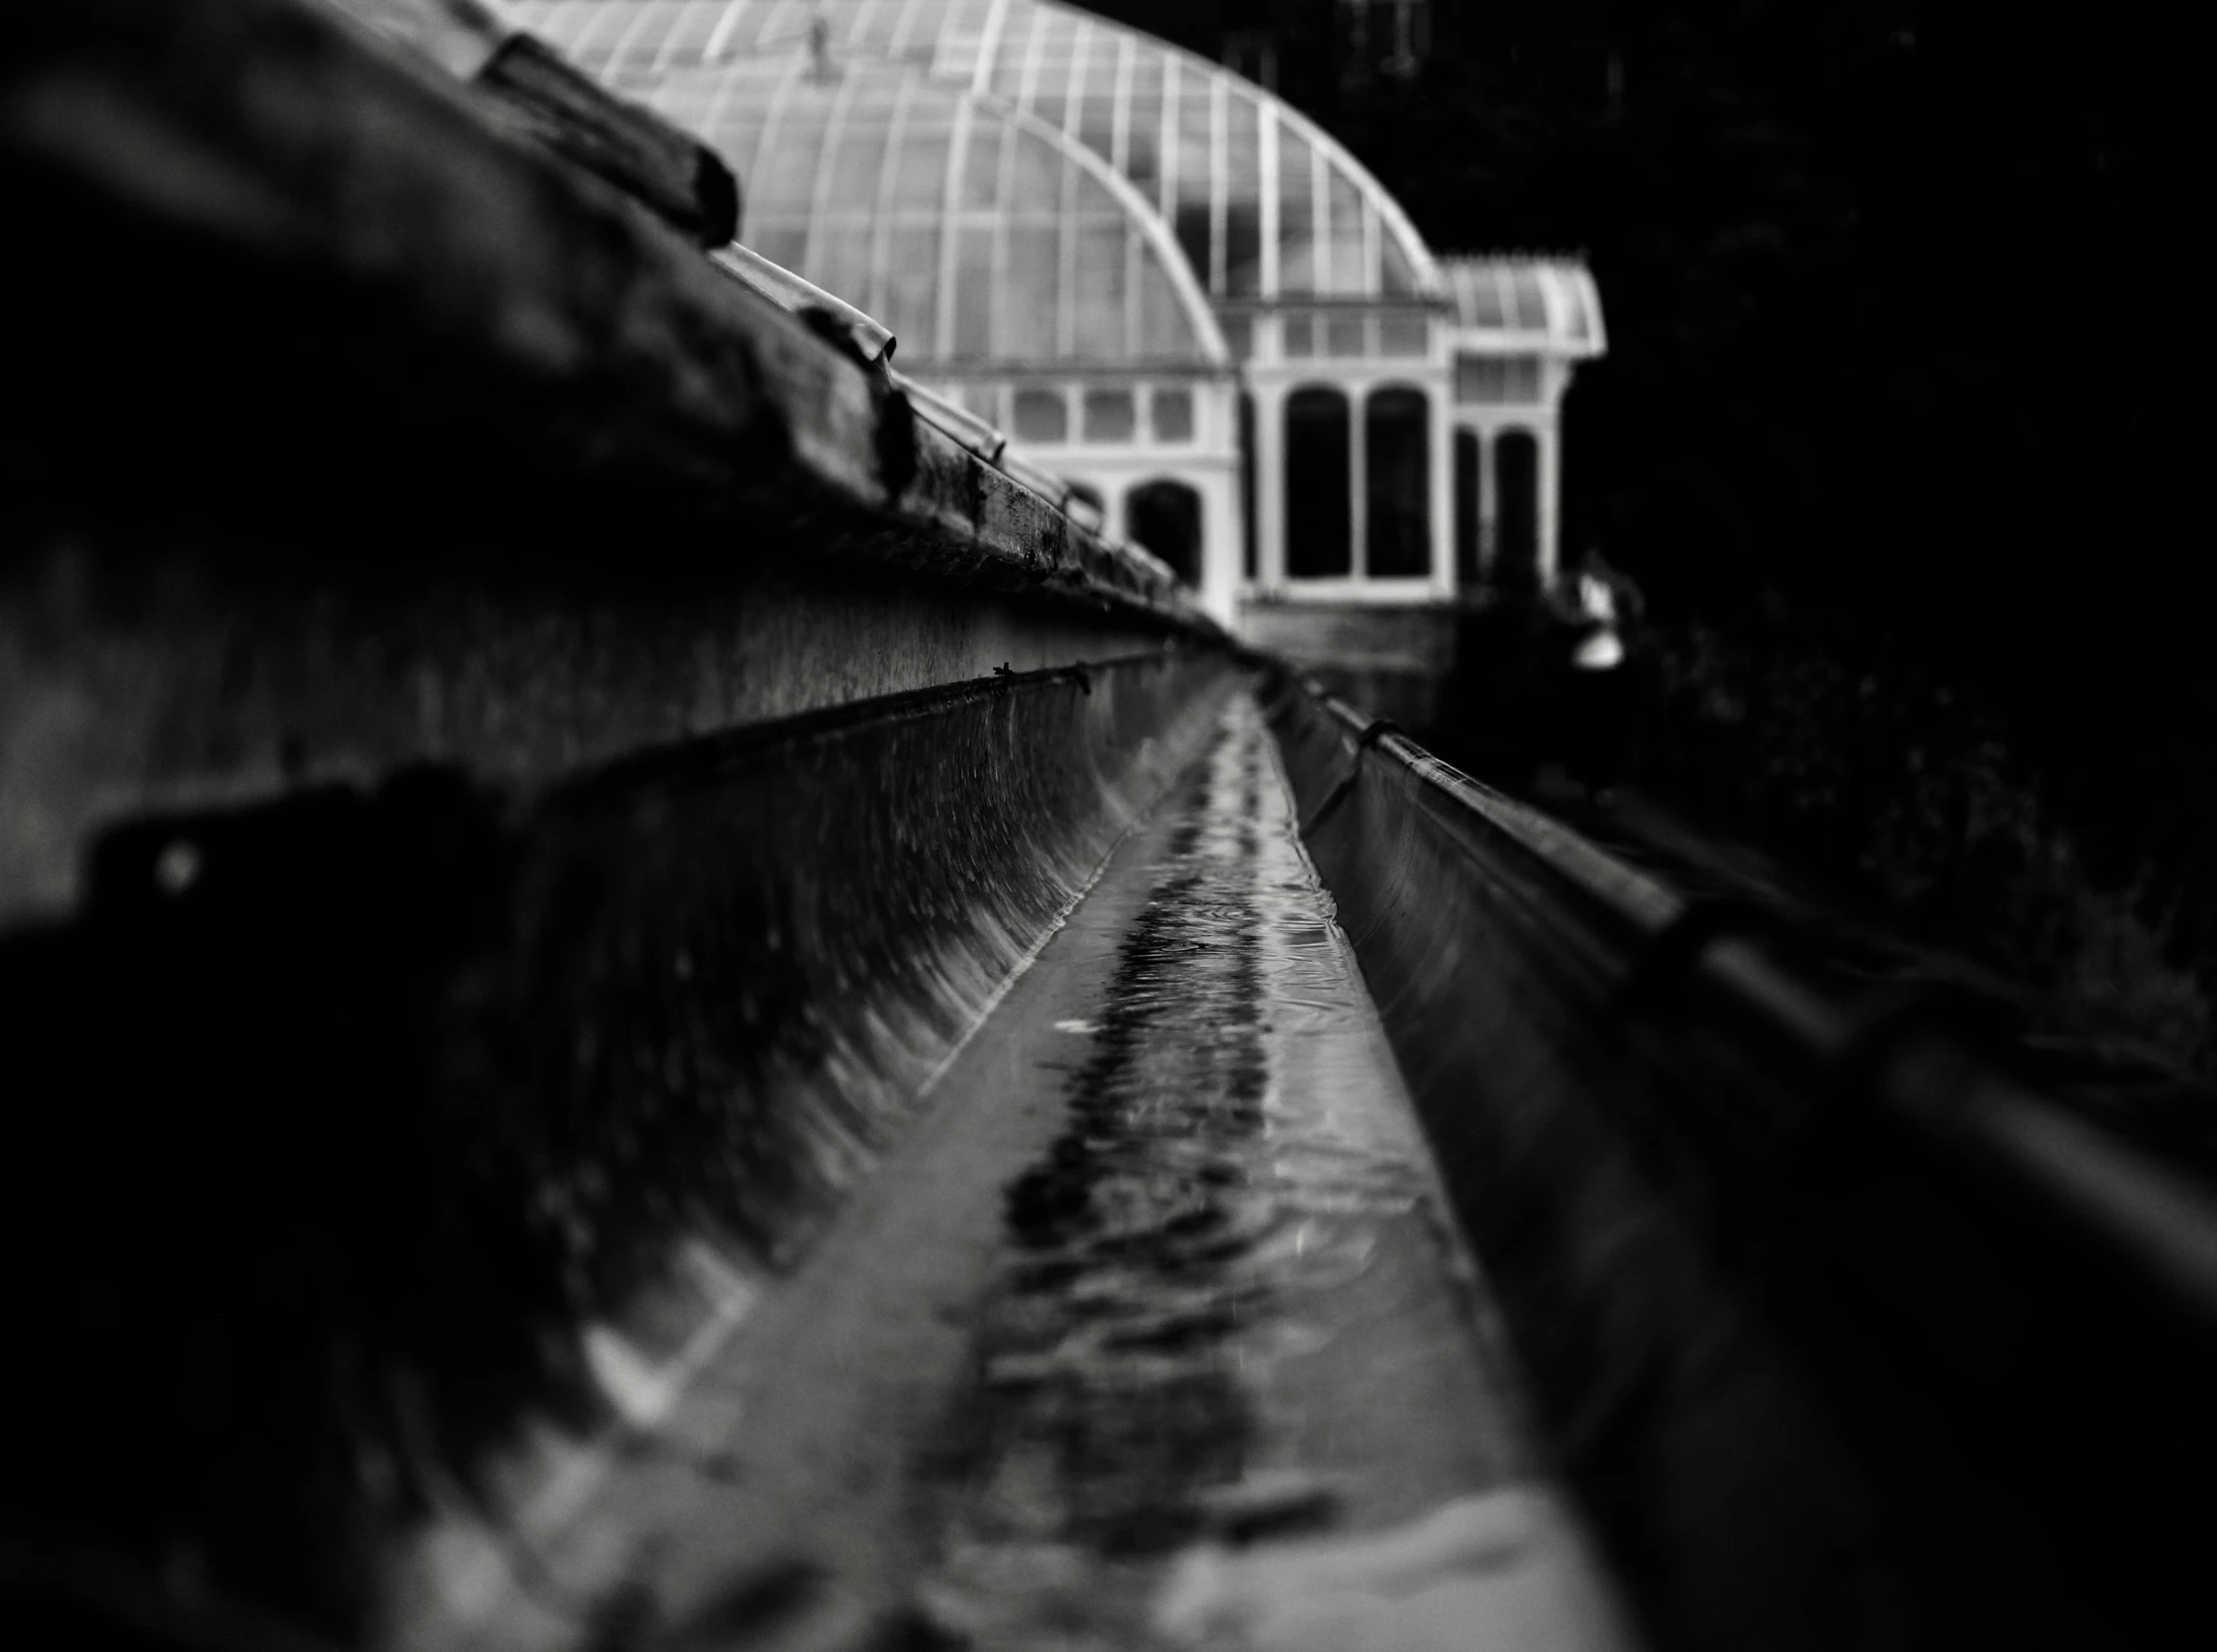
1160, 280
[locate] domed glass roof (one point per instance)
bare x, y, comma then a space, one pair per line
1527, 300
1263, 202
974, 234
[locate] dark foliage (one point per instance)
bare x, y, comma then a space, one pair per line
1899, 411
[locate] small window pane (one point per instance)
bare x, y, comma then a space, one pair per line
1099, 329
1345, 337
1242, 248
1174, 415
1041, 416
1480, 381
1402, 335
1239, 335
1110, 415
1530, 309
912, 291
984, 400
1297, 252
920, 175
973, 295
1483, 302
1028, 308
981, 171
1300, 337
1399, 275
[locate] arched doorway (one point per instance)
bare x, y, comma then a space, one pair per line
1319, 491
1466, 508
1397, 448
1165, 517
1516, 473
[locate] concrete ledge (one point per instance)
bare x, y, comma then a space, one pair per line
1798, 1270
350, 1132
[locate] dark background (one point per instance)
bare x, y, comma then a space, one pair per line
1899, 430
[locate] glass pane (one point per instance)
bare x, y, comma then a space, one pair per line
1192, 237
1041, 416
1239, 335
854, 170
1399, 278
973, 339
1242, 194
1038, 185
1029, 304
1319, 529
1110, 415
920, 179
1573, 292
840, 258
1402, 335
1480, 381
782, 241
1297, 252
1243, 248
1101, 312
1343, 240
1195, 170
1174, 415
1483, 301
1143, 133
1097, 116
1528, 307
1398, 449
911, 304
786, 174
981, 167
1165, 330
1345, 337
1008, 65
1300, 337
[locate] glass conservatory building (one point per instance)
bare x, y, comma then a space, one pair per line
1160, 279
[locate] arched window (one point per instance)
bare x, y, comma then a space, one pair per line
1466, 508
1516, 481
1165, 517
1396, 438
1319, 493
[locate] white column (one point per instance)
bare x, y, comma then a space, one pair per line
1489, 503
1221, 551
1358, 396
1439, 430
1550, 486
1270, 487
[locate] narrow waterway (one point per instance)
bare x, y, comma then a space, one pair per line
1154, 1334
